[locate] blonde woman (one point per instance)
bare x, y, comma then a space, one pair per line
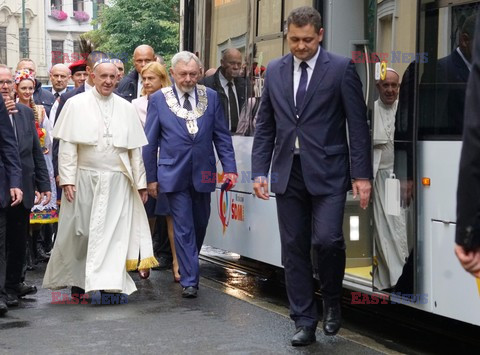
155, 77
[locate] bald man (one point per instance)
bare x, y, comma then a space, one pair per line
229, 85
131, 85
60, 74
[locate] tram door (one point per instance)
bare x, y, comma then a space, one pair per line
393, 114
380, 240
349, 32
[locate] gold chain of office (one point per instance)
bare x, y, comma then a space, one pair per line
190, 117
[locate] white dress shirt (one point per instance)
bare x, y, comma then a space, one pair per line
181, 97
297, 72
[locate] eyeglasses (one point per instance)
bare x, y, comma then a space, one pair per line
8, 82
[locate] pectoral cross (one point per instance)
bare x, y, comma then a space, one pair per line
107, 135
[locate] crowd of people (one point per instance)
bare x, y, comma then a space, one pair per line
86, 144
124, 150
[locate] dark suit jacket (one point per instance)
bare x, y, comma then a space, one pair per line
334, 97
240, 86
127, 88
451, 84
43, 97
184, 160
34, 169
63, 98
10, 168
468, 192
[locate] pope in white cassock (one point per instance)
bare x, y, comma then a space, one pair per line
390, 234
103, 229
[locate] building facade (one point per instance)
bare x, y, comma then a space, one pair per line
15, 25
65, 22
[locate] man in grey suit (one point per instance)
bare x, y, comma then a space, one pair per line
309, 97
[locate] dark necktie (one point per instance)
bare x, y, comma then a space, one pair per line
56, 95
302, 86
232, 101
14, 126
186, 104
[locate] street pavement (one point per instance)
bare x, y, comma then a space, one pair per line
157, 320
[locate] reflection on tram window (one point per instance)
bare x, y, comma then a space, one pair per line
444, 80
390, 233
248, 114
231, 85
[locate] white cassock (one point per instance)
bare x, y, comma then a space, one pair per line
104, 231
390, 232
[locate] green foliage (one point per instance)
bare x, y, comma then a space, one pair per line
128, 23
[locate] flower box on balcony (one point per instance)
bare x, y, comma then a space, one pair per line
58, 15
81, 16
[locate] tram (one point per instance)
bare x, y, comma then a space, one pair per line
415, 38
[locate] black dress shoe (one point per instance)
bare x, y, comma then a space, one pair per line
21, 289
332, 319
189, 292
11, 300
304, 336
3, 308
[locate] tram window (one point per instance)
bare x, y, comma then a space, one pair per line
292, 4
271, 14
448, 40
229, 28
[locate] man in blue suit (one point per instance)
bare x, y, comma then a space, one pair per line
309, 97
10, 193
183, 121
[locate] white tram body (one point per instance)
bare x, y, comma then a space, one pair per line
243, 224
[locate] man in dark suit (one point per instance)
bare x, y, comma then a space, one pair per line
131, 85
185, 121
10, 193
34, 178
451, 79
309, 97
60, 74
40, 95
468, 192
229, 85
